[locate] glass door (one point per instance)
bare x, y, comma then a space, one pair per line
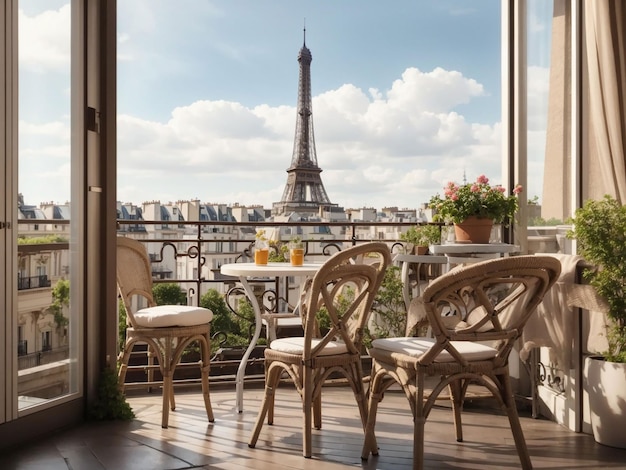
44, 321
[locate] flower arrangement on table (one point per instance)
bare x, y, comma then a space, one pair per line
261, 236
478, 199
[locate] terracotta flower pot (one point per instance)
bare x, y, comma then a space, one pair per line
473, 230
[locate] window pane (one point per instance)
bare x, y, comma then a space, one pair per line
548, 105
549, 114
44, 316
405, 98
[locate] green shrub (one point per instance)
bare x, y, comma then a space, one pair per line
422, 235
600, 230
110, 403
169, 294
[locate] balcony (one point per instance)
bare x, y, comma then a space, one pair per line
33, 282
190, 254
193, 254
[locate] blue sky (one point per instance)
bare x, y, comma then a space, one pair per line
245, 51
406, 96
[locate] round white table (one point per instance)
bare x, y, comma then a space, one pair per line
473, 248
461, 253
245, 271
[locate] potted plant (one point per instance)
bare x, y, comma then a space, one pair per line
421, 237
599, 228
475, 204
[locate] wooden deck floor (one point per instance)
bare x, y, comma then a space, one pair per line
191, 442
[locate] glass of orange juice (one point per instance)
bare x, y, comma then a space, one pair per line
296, 256
261, 253
296, 252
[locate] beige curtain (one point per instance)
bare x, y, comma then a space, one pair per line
604, 166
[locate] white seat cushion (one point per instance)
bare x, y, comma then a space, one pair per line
292, 320
415, 347
296, 346
163, 316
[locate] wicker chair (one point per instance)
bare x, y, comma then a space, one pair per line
345, 287
167, 329
477, 314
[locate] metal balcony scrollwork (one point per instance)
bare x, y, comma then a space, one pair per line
232, 299
327, 250
193, 252
246, 254
160, 259
398, 247
550, 377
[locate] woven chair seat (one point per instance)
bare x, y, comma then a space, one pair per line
295, 345
417, 347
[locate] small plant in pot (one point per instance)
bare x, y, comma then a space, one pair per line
474, 208
599, 228
421, 237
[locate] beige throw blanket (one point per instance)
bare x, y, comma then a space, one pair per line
552, 325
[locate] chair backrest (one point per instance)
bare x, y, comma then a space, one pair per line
344, 289
134, 274
490, 301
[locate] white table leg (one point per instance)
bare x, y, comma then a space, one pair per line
241, 370
406, 288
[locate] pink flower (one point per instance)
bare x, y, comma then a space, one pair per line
518, 189
451, 187
478, 198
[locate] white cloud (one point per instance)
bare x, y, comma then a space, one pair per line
383, 148
437, 91
375, 148
395, 143
43, 44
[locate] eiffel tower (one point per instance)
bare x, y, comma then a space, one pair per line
304, 192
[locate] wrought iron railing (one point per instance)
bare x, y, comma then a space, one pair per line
45, 356
32, 282
199, 249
